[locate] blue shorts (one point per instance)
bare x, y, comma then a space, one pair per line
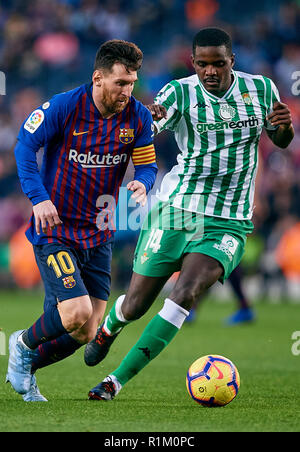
68, 272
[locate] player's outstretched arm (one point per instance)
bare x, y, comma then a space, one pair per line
281, 118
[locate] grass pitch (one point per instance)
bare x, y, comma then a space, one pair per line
156, 400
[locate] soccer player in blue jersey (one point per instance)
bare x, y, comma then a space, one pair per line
89, 135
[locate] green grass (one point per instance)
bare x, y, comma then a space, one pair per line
156, 400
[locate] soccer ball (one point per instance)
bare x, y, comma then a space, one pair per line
213, 380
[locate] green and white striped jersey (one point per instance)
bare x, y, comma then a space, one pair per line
218, 142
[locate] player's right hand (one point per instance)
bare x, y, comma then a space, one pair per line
157, 111
280, 116
45, 214
139, 192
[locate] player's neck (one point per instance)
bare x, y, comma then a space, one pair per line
224, 91
103, 111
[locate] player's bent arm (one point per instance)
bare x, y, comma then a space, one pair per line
282, 120
29, 174
43, 209
144, 179
144, 158
144, 161
146, 174
282, 136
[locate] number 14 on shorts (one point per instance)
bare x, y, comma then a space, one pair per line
154, 240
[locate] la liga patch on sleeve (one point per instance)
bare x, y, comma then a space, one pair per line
34, 121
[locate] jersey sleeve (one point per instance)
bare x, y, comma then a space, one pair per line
272, 96
144, 151
275, 96
170, 96
143, 154
42, 125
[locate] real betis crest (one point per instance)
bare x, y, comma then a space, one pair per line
126, 136
144, 258
247, 98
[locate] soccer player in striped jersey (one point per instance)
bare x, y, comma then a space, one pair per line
89, 135
217, 116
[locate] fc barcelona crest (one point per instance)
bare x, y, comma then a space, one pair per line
126, 136
69, 282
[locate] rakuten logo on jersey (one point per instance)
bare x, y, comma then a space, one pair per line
91, 160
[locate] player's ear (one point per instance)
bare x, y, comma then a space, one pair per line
193, 60
232, 59
97, 77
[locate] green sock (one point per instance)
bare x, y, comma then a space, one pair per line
156, 336
115, 320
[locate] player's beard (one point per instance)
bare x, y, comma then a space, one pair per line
112, 106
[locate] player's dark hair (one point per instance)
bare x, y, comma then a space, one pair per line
118, 51
212, 37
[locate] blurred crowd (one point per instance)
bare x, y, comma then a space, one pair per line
48, 46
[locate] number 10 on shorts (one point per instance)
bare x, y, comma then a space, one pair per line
62, 263
154, 240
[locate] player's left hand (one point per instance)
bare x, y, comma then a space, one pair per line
139, 192
157, 111
280, 116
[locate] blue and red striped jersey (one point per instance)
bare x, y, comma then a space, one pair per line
84, 163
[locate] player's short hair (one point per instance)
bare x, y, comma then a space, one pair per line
118, 51
212, 37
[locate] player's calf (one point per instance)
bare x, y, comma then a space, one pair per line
97, 349
85, 334
140, 296
190, 284
133, 309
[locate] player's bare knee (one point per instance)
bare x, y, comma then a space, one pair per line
76, 313
84, 313
87, 332
77, 320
